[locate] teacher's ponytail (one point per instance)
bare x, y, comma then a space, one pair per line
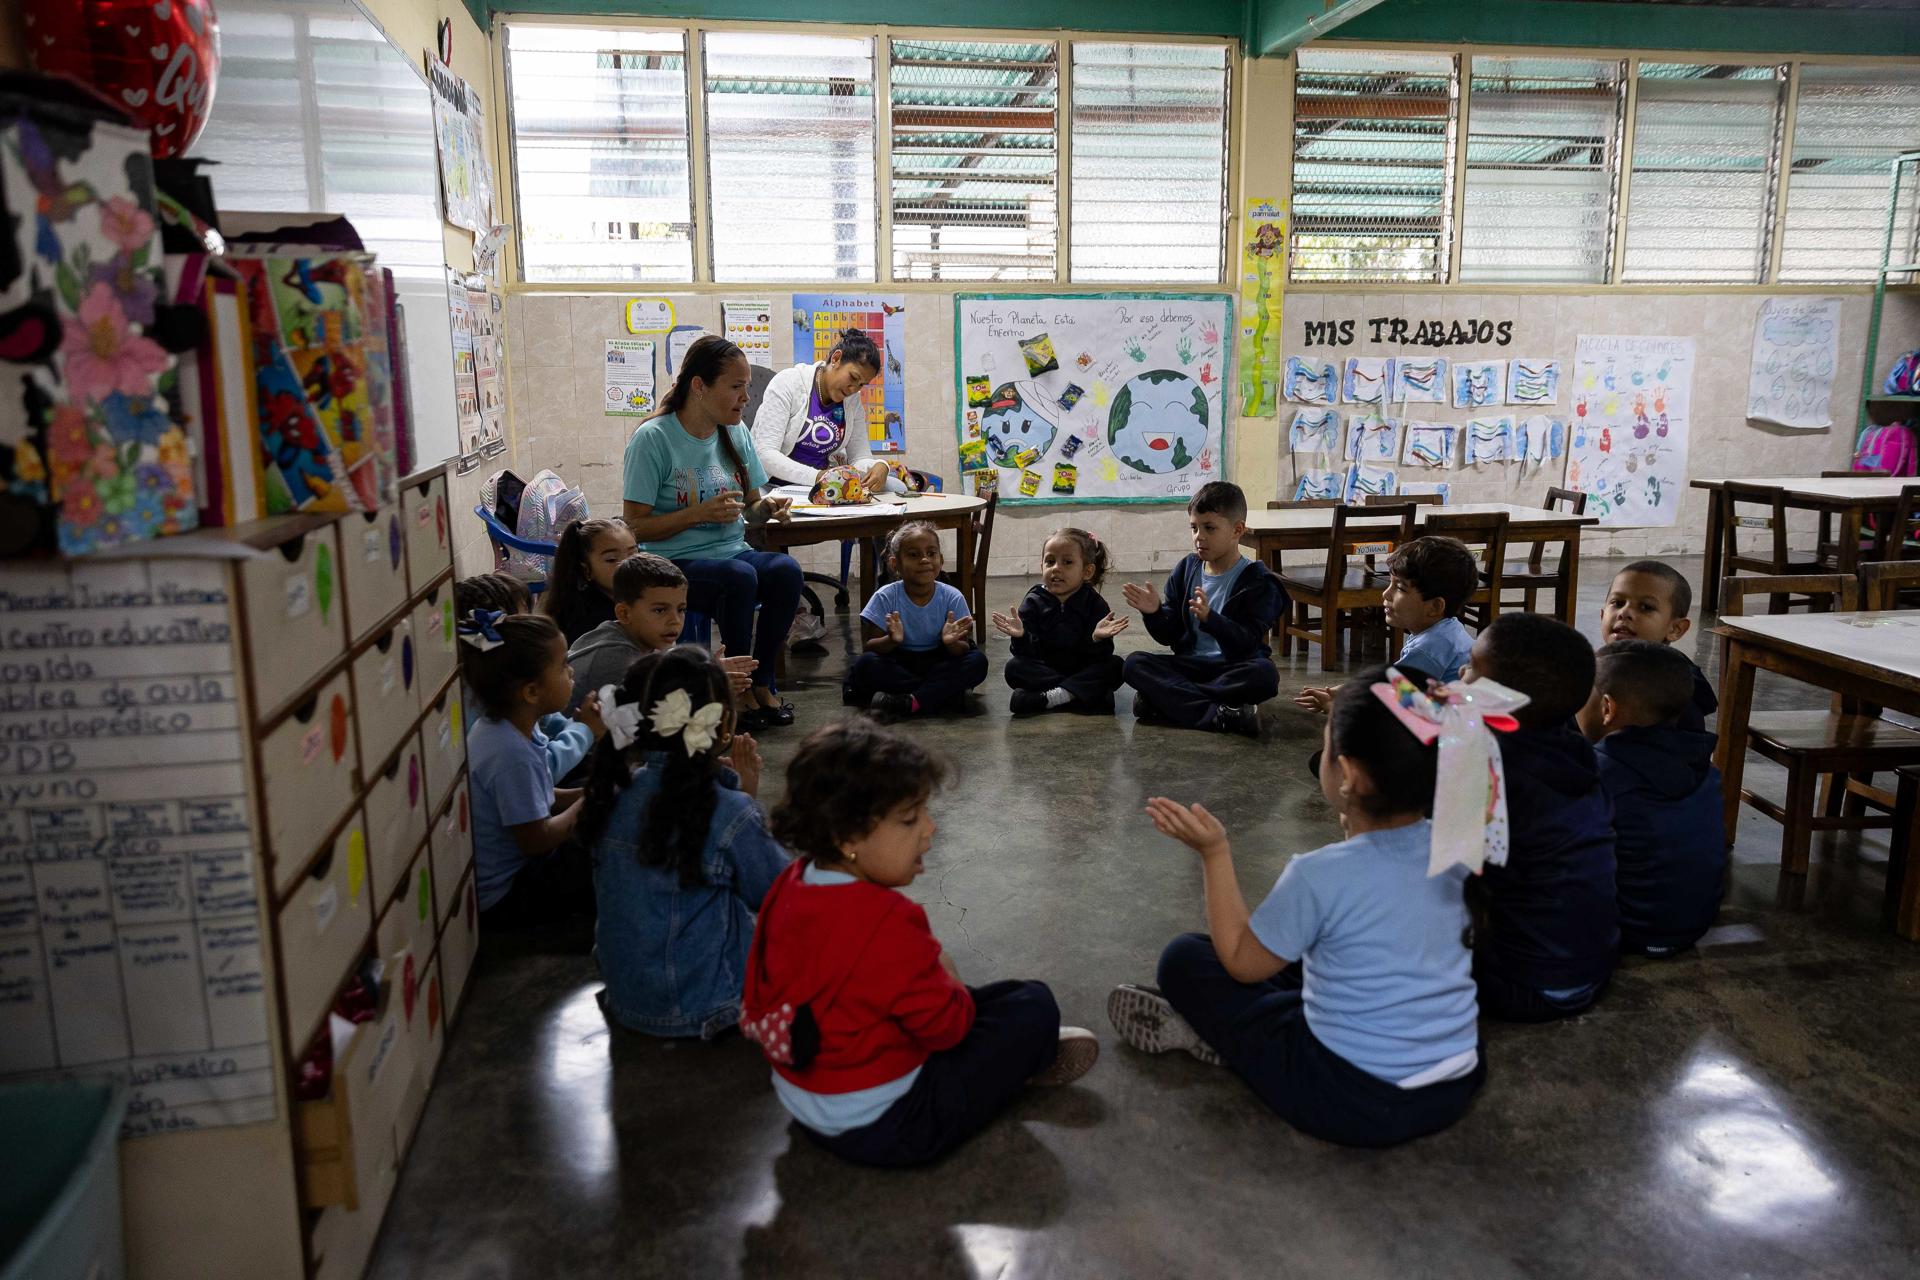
704, 360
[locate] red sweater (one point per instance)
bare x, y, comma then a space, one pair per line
862, 957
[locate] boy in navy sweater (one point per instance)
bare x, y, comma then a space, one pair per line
1649, 600
1552, 928
1669, 835
1217, 612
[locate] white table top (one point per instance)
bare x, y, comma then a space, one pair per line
1307, 519
907, 507
1887, 642
1840, 487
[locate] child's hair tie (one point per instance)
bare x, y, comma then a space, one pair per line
479, 628
621, 718
1470, 780
674, 716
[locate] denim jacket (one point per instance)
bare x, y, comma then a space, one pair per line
673, 957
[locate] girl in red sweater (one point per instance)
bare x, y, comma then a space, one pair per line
878, 1051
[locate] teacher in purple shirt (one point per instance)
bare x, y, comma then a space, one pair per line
801, 427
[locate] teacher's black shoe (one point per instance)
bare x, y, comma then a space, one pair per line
777, 716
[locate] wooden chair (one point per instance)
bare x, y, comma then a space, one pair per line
1395, 499
1889, 584
1903, 536
1903, 858
1533, 575
1836, 751
1762, 507
1487, 536
1302, 504
1340, 587
979, 534
1826, 548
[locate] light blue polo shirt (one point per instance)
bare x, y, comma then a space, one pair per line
1388, 981
920, 624
1441, 650
668, 469
512, 785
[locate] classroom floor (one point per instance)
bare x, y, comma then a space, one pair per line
1748, 1110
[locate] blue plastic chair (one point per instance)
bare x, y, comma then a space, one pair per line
505, 540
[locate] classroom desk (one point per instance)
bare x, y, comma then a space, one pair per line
1308, 529
1852, 499
866, 526
1874, 657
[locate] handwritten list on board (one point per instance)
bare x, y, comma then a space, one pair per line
130, 940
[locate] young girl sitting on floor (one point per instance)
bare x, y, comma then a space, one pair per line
1062, 637
579, 592
919, 654
525, 872
1346, 999
681, 854
568, 739
877, 1050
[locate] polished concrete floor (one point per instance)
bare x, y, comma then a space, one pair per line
1750, 1110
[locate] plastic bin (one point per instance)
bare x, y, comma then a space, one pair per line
60, 1182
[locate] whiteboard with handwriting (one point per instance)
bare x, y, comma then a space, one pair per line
1094, 398
130, 922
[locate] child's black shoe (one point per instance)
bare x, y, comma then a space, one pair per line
1026, 702
1244, 721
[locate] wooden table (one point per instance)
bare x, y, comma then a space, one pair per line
1852, 499
1309, 528
1874, 657
868, 525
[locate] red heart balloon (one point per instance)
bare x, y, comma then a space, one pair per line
155, 59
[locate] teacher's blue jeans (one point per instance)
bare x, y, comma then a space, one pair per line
728, 590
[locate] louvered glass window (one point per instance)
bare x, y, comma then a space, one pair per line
974, 160
1849, 124
1149, 168
600, 153
1373, 137
1700, 197
1542, 151
790, 140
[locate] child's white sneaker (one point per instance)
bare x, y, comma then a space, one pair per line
1079, 1050
1146, 1020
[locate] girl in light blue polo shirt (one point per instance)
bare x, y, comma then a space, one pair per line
1346, 998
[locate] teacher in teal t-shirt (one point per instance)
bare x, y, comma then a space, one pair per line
692, 485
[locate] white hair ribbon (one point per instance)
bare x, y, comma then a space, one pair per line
622, 720
1470, 781
674, 714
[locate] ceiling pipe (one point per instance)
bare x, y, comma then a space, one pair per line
1298, 21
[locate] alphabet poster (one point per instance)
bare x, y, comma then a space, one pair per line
1093, 398
1632, 400
819, 319
1795, 342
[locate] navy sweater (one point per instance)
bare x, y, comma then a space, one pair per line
1705, 703
1552, 922
1240, 629
1060, 632
1670, 837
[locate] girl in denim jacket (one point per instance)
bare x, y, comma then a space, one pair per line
681, 854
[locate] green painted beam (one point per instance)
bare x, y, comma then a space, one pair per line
478, 11
1151, 17
1275, 28
1596, 24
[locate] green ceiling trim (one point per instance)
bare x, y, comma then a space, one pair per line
1595, 24
478, 11
1150, 17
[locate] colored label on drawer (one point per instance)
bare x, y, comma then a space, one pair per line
299, 596
323, 578
337, 722
423, 892
356, 864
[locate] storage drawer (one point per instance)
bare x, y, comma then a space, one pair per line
370, 1083
373, 555
443, 746
324, 927
396, 819
386, 691
295, 624
426, 1033
434, 655
307, 765
406, 933
459, 943
452, 845
423, 509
